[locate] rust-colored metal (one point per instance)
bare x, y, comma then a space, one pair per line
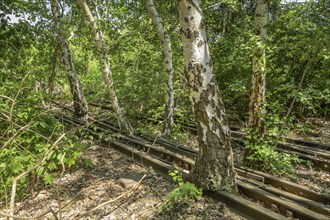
268, 195
279, 205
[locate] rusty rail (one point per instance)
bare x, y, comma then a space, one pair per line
269, 195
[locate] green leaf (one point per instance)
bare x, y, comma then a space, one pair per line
40, 170
89, 163
51, 166
43, 124
17, 166
49, 178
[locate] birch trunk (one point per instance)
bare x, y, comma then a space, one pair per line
79, 101
214, 167
258, 87
167, 51
105, 65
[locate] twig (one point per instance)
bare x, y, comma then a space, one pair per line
46, 212
32, 120
25, 218
133, 189
14, 100
53, 212
14, 135
153, 143
5, 192
70, 201
213, 6
57, 191
5, 116
151, 208
6, 97
13, 191
71, 35
292, 103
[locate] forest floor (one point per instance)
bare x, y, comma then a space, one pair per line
117, 188
114, 185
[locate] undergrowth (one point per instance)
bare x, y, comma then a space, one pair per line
263, 155
261, 147
34, 143
185, 193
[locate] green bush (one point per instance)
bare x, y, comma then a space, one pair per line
27, 134
261, 148
263, 155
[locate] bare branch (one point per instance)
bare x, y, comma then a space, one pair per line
13, 191
133, 189
14, 135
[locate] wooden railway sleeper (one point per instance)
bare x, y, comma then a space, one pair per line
310, 204
276, 204
290, 187
282, 205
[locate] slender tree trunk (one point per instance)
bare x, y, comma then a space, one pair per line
258, 87
51, 79
105, 65
79, 101
167, 51
214, 167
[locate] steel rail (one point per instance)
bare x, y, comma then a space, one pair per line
319, 157
313, 150
258, 175
286, 208
239, 205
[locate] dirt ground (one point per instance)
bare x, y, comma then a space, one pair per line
114, 190
117, 188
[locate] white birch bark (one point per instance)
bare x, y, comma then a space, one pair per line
79, 101
214, 167
167, 52
105, 65
258, 87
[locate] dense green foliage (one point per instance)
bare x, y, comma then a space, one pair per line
298, 63
29, 133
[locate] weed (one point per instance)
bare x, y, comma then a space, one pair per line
186, 192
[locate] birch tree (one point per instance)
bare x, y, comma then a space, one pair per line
79, 101
105, 66
258, 87
167, 52
214, 166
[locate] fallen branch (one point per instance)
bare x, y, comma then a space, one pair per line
133, 189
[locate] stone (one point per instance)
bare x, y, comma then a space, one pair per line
129, 180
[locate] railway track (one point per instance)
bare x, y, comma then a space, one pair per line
304, 144
282, 198
317, 153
